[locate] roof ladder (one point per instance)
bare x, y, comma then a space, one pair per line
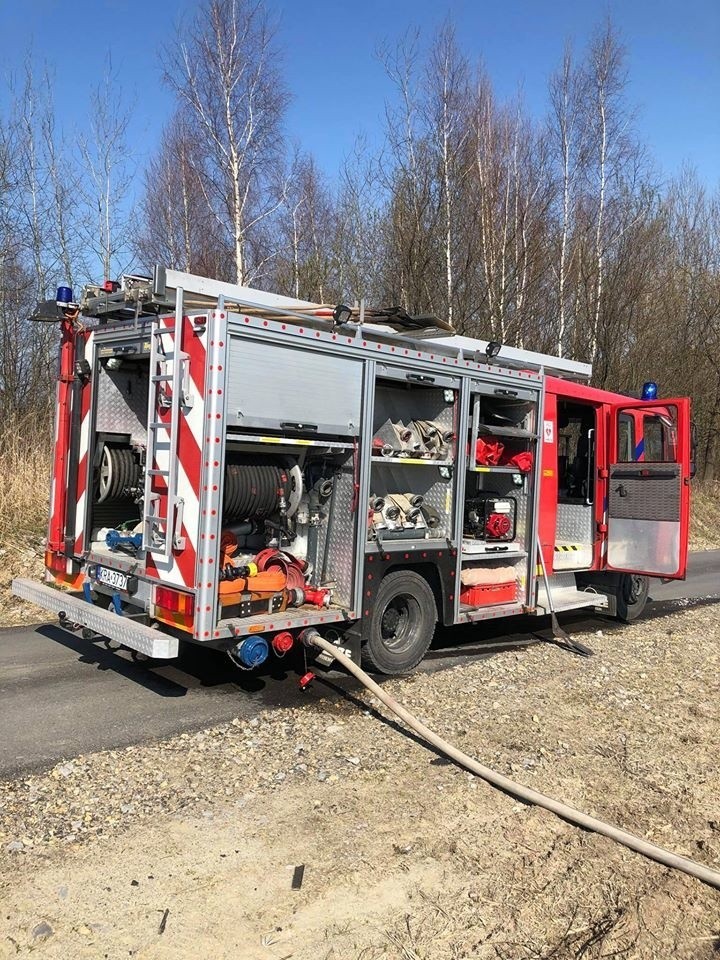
168, 391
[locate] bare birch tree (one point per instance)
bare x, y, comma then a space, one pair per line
407, 172
566, 134
174, 220
305, 266
227, 79
108, 174
606, 79
359, 240
447, 93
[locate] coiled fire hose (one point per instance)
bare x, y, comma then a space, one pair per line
312, 638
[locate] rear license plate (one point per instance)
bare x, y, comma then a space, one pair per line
111, 578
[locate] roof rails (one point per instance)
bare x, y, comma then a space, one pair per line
521, 359
139, 295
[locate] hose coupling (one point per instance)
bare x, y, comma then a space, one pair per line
309, 636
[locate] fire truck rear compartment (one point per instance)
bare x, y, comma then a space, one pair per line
118, 454
295, 499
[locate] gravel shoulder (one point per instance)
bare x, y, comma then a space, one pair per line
404, 855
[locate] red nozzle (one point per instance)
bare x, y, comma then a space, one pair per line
317, 596
306, 680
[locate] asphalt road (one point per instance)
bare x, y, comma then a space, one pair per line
61, 696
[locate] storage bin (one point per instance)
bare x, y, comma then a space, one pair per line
484, 594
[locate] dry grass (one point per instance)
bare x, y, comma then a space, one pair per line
25, 458
705, 516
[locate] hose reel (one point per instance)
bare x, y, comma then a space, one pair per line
118, 474
258, 488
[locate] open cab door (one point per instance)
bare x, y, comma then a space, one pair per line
648, 506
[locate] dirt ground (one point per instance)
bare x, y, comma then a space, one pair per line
188, 848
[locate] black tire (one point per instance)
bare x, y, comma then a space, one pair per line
632, 596
401, 625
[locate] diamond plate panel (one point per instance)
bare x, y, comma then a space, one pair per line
122, 397
341, 552
574, 523
637, 497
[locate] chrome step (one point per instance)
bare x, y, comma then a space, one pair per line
566, 596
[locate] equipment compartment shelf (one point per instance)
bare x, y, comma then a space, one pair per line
287, 441
517, 432
417, 543
491, 611
481, 469
413, 462
509, 555
284, 620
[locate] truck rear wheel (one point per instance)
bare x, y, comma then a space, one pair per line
401, 625
632, 596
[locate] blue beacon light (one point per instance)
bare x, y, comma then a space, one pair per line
649, 390
64, 295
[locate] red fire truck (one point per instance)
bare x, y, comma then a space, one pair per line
232, 467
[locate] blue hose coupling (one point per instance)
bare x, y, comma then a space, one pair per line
115, 539
251, 652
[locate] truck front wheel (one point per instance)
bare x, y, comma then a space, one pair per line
632, 596
401, 624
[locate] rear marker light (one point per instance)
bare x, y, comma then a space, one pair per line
174, 601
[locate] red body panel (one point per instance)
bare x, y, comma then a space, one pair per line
61, 456
607, 404
680, 454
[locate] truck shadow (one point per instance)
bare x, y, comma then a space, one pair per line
275, 683
194, 668
489, 637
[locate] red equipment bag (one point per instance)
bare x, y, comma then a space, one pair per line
488, 452
523, 461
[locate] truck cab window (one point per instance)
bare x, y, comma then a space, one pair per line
653, 435
576, 451
656, 437
626, 439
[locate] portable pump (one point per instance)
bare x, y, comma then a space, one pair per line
490, 517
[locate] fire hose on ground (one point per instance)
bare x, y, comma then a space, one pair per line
312, 638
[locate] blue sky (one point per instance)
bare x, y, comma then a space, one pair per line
339, 86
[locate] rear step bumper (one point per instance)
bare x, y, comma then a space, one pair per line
130, 633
